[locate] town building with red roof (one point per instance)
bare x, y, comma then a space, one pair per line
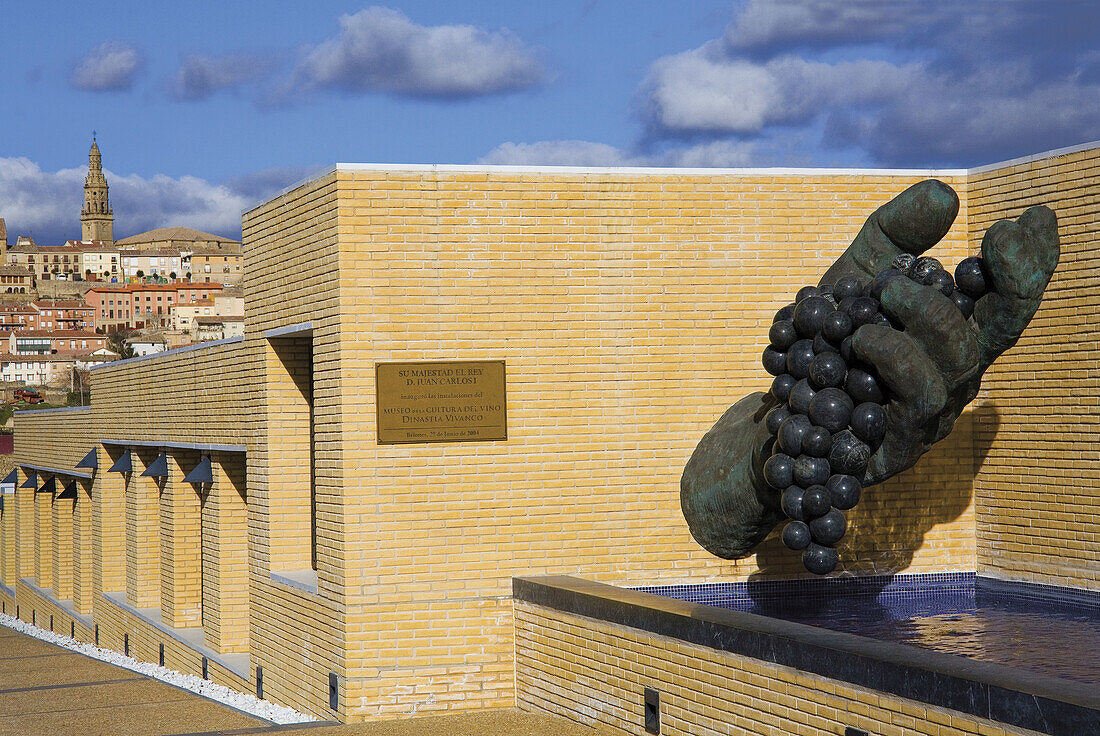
143, 305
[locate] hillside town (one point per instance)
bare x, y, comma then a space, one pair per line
66, 307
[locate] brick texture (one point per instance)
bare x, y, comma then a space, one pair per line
630, 309
1038, 488
595, 673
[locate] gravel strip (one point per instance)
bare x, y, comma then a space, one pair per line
241, 701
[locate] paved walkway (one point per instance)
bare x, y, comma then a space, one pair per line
46, 690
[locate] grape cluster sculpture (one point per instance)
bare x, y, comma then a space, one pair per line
871, 367
831, 417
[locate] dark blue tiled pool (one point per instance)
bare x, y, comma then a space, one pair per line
1039, 628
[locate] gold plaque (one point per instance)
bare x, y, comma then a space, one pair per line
448, 401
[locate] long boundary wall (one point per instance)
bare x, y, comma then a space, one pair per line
143, 551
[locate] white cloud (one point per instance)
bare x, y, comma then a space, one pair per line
691, 92
586, 153
701, 91
34, 201
906, 83
142, 204
46, 205
200, 76
978, 118
967, 34
111, 66
730, 154
557, 153
772, 23
381, 50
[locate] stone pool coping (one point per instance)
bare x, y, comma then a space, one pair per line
1013, 697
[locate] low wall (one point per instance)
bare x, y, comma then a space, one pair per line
124, 560
589, 652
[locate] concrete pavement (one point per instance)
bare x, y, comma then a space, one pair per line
46, 690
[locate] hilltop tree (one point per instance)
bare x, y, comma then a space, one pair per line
118, 341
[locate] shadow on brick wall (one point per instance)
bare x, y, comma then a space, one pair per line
911, 512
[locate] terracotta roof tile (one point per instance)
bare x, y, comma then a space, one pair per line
173, 233
60, 334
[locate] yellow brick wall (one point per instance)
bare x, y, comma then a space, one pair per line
108, 526
288, 394
631, 311
181, 543
24, 524
62, 545
43, 536
8, 547
224, 557
58, 438
195, 395
32, 607
84, 563
132, 535
1038, 490
595, 672
293, 277
143, 539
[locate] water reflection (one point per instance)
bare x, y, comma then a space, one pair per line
1034, 635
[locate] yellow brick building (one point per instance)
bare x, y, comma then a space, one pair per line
273, 537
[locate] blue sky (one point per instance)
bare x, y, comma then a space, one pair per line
204, 108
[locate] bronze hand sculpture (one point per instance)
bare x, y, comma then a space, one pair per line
928, 356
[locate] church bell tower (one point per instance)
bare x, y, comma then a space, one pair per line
97, 220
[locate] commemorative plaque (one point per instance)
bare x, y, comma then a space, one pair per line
446, 401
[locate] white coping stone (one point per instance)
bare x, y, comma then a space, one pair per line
671, 171
222, 694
